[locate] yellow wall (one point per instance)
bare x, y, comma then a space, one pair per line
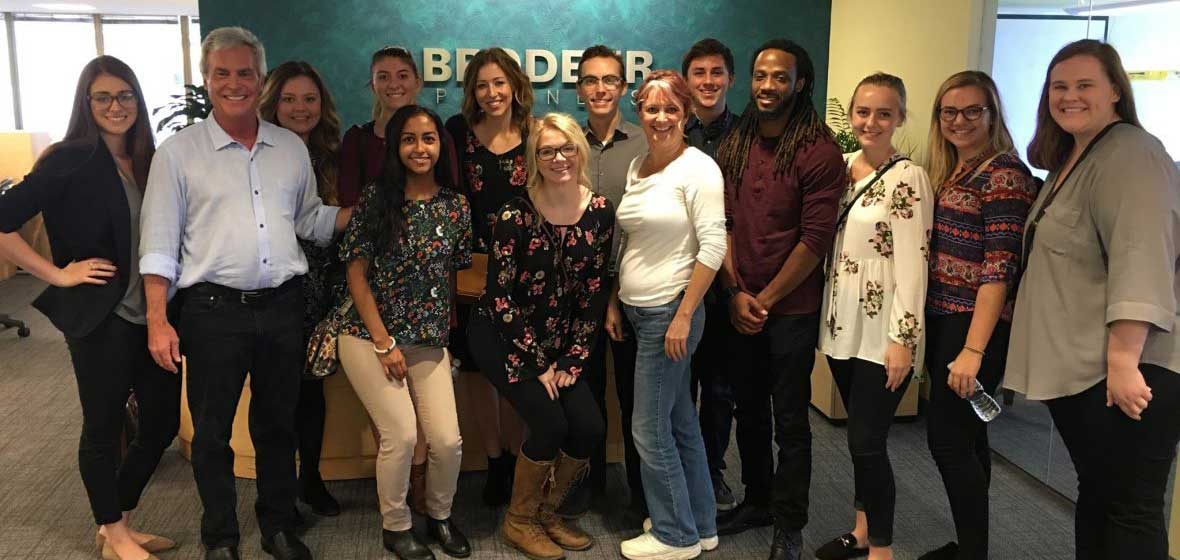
921, 41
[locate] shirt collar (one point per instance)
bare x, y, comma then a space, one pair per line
719, 125
623, 131
220, 138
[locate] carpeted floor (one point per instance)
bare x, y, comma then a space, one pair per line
45, 513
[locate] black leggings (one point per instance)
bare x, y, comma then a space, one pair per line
956, 436
571, 423
870, 414
109, 363
1122, 466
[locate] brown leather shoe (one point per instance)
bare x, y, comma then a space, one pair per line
521, 529
417, 496
567, 474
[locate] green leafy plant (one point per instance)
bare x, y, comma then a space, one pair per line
185, 109
837, 120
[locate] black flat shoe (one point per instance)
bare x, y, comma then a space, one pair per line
222, 553
948, 551
405, 545
316, 496
840, 548
284, 545
448, 537
745, 516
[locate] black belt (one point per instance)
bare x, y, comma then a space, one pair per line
246, 297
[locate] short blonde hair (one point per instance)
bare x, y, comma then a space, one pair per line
568, 127
228, 38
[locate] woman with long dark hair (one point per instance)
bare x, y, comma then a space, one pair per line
294, 97
983, 193
1094, 332
403, 247
89, 188
490, 135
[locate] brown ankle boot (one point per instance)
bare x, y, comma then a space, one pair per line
417, 488
567, 474
521, 529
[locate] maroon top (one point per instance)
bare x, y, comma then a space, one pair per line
360, 139
767, 215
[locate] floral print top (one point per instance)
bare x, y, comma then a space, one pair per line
876, 279
489, 179
411, 281
546, 292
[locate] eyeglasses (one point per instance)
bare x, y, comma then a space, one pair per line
548, 153
126, 99
972, 113
610, 81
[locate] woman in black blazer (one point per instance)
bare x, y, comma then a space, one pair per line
89, 187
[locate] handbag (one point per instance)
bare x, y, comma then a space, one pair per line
322, 356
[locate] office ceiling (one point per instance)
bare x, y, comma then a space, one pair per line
121, 7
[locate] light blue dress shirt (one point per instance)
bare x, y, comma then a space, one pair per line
216, 212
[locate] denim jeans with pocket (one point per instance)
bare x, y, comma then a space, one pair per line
667, 431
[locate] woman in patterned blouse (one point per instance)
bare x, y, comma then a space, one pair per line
534, 329
490, 134
403, 246
873, 305
984, 194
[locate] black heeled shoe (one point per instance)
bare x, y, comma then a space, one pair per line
449, 537
405, 545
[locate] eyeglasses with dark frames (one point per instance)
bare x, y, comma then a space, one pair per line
548, 152
125, 98
610, 81
971, 113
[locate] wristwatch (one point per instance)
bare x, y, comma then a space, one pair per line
732, 291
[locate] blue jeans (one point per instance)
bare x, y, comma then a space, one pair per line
673, 464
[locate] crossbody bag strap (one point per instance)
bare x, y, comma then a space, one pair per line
876, 177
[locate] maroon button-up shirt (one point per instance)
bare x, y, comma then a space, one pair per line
767, 215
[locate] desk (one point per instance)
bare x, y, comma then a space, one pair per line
18, 152
349, 451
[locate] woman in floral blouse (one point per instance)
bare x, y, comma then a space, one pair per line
534, 329
874, 303
490, 134
984, 194
410, 235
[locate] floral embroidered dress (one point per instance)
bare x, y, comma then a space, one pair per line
545, 291
876, 284
411, 282
489, 179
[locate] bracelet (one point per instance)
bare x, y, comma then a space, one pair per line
972, 350
392, 345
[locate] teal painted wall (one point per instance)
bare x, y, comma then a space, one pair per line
338, 37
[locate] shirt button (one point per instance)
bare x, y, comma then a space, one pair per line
255, 192
260, 226
263, 261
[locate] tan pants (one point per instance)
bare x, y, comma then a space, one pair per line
392, 406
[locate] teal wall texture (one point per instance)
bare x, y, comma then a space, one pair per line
337, 37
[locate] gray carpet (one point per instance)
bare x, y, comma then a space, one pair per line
46, 515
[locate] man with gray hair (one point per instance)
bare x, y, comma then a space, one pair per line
225, 201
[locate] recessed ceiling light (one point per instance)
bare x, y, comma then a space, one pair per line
66, 7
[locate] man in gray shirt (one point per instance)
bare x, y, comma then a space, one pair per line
614, 143
226, 199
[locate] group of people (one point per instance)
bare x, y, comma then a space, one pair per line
239, 235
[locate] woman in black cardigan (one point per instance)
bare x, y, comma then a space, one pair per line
89, 187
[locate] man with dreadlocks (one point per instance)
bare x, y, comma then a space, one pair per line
783, 179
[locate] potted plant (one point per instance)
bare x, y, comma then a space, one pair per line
185, 109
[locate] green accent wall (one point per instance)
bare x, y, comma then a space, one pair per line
338, 37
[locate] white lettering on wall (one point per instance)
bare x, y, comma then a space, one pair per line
638, 66
436, 65
530, 65
441, 65
462, 57
569, 65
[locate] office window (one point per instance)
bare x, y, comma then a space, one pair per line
159, 68
51, 51
7, 120
194, 49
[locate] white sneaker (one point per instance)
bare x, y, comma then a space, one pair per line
648, 547
707, 543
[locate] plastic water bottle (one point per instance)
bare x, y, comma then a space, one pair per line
986, 408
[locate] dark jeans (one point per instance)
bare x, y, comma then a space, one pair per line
710, 378
772, 371
310, 414
225, 339
571, 423
109, 363
956, 436
1122, 466
870, 414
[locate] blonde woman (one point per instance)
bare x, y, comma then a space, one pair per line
533, 331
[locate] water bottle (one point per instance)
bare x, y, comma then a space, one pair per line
986, 408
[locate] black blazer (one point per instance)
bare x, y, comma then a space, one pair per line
78, 191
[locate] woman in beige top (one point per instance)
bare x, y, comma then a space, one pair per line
1093, 330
